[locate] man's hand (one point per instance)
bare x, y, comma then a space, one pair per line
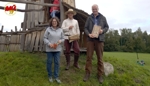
91, 35
101, 31
51, 45
71, 27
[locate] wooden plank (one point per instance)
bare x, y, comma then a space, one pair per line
84, 45
14, 41
41, 40
36, 47
74, 3
11, 44
80, 41
15, 28
29, 17
3, 46
36, 14
23, 32
70, 2
61, 12
32, 42
41, 13
22, 42
30, 2
77, 10
44, 48
24, 29
7, 40
1, 31
33, 17
28, 43
27, 10
18, 43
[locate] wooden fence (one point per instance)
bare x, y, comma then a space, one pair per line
33, 42
11, 41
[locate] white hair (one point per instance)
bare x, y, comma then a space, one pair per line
95, 5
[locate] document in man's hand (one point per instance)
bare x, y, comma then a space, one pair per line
96, 30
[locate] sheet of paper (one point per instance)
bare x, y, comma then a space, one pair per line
96, 30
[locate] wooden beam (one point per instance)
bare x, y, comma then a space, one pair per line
61, 12
1, 31
12, 30
21, 10
15, 28
29, 2
80, 18
22, 40
42, 25
77, 10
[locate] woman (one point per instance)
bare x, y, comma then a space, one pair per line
53, 37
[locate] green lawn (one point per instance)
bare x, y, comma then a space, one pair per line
26, 69
132, 57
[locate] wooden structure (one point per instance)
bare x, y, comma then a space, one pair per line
30, 38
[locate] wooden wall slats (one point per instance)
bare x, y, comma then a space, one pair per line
36, 46
32, 42
41, 40
2, 43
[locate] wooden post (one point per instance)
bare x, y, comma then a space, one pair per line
15, 28
1, 31
61, 19
74, 3
61, 12
12, 30
22, 40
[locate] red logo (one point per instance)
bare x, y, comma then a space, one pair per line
10, 8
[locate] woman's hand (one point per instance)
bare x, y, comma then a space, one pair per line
51, 45
59, 42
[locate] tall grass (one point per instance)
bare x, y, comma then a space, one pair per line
26, 69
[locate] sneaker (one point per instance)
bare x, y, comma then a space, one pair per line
58, 81
50, 79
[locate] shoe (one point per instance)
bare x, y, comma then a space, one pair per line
100, 79
50, 79
77, 66
86, 77
68, 62
58, 81
67, 67
76, 58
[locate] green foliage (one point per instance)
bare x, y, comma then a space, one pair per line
26, 69
127, 41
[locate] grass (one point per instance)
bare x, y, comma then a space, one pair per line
132, 57
26, 69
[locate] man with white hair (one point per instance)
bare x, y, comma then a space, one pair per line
98, 19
